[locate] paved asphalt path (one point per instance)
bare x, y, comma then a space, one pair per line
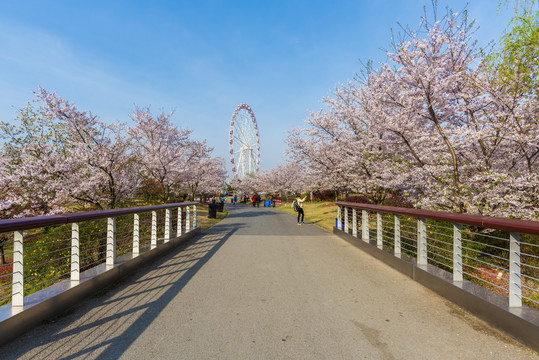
257, 286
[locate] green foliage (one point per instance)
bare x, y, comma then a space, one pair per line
46, 257
30, 126
517, 60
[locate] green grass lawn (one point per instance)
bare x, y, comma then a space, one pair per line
322, 214
202, 217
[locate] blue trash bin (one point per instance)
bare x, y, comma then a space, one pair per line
267, 203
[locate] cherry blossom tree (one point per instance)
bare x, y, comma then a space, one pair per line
31, 158
462, 134
421, 104
163, 150
246, 185
206, 174
507, 180
283, 180
339, 147
98, 169
29, 163
435, 123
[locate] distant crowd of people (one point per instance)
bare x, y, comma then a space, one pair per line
255, 200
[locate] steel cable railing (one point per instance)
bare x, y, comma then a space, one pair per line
38, 252
499, 254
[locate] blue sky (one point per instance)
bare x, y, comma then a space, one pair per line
202, 58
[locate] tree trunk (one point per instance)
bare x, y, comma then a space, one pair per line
3, 240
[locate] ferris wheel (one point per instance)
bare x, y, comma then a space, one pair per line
244, 142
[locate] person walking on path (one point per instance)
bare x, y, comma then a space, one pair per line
299, 208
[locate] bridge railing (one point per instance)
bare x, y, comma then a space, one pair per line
38, 252
499, 254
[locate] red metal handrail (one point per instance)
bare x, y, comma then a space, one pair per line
41, 221
491, 222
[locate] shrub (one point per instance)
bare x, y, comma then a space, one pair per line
358, 199
324, 194
398, 202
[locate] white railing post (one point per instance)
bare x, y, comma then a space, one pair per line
194, 216
421, 241
379, 231
153, 241
354, 222
111, 242
346, 219
515, 282
397, 236
136, 235
17, 287
179, 224
187, 220
365, 227
457, 253
75, 252
338, 218
167, 225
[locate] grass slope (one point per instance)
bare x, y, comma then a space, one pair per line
322, 214
202, 217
